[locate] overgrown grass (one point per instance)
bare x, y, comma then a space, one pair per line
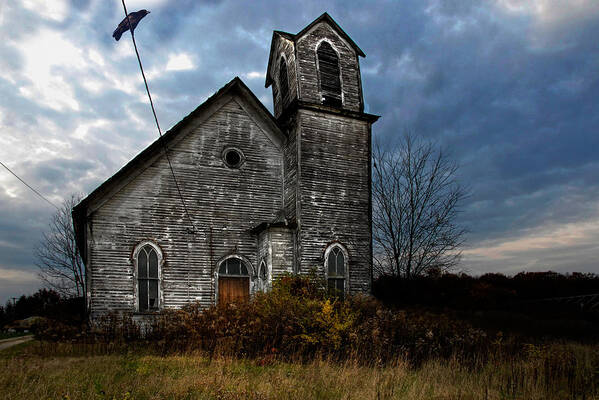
65, 371
295, 320
297, 342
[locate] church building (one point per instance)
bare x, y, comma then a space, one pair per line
252, 195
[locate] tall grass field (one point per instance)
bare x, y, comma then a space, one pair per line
299, 342
42, 371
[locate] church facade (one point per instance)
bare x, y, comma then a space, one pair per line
256, 195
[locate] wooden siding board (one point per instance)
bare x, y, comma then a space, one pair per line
229, 201
281, 240
334, 192
290, 173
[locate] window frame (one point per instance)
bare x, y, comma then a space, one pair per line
134, 256
345, 277
240, 275
321, 92
228, 149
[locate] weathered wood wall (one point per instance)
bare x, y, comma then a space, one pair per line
224, 203
334, 195
319, 175
275, 246
327, 164
281, 250
291, 167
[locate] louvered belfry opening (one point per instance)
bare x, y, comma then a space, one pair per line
283, 82
330, 81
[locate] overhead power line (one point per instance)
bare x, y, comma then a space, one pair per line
156, 118
29, 186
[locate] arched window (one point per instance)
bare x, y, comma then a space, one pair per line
263, 275
336, 267
263, 271
148, 260
233, 267
330, 75
283, 82
233, 281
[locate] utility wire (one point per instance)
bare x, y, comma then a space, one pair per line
156, 118
29, 186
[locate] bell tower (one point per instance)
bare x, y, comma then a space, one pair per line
319, 65
318, 102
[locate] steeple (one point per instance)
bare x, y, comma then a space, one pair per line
317, 93
317, 66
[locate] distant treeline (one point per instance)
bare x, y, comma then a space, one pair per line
486, 292
525, 291
44, 303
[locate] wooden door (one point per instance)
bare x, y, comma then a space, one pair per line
233, 289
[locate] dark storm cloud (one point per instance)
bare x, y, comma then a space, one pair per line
518, 119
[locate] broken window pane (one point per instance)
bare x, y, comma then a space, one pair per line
153, 294
143, 295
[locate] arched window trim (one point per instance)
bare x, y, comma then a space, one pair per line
320, 91
343, 249
251, 269
251, 272
282, 96
134, 260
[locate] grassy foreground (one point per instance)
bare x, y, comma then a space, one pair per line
62, 371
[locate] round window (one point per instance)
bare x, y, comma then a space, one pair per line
233, 158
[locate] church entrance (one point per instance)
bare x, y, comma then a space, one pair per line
233, 282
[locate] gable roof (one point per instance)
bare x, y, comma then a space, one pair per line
294, 38
207, 108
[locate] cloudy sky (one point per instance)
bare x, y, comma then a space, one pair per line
509, 87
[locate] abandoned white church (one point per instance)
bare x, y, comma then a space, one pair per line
266, 194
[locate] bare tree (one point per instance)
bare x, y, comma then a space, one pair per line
415, 198
59, 261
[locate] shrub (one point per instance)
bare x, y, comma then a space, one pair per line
295, 320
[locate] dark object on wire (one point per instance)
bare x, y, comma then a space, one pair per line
123, 27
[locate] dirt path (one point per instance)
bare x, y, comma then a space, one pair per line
4, 344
